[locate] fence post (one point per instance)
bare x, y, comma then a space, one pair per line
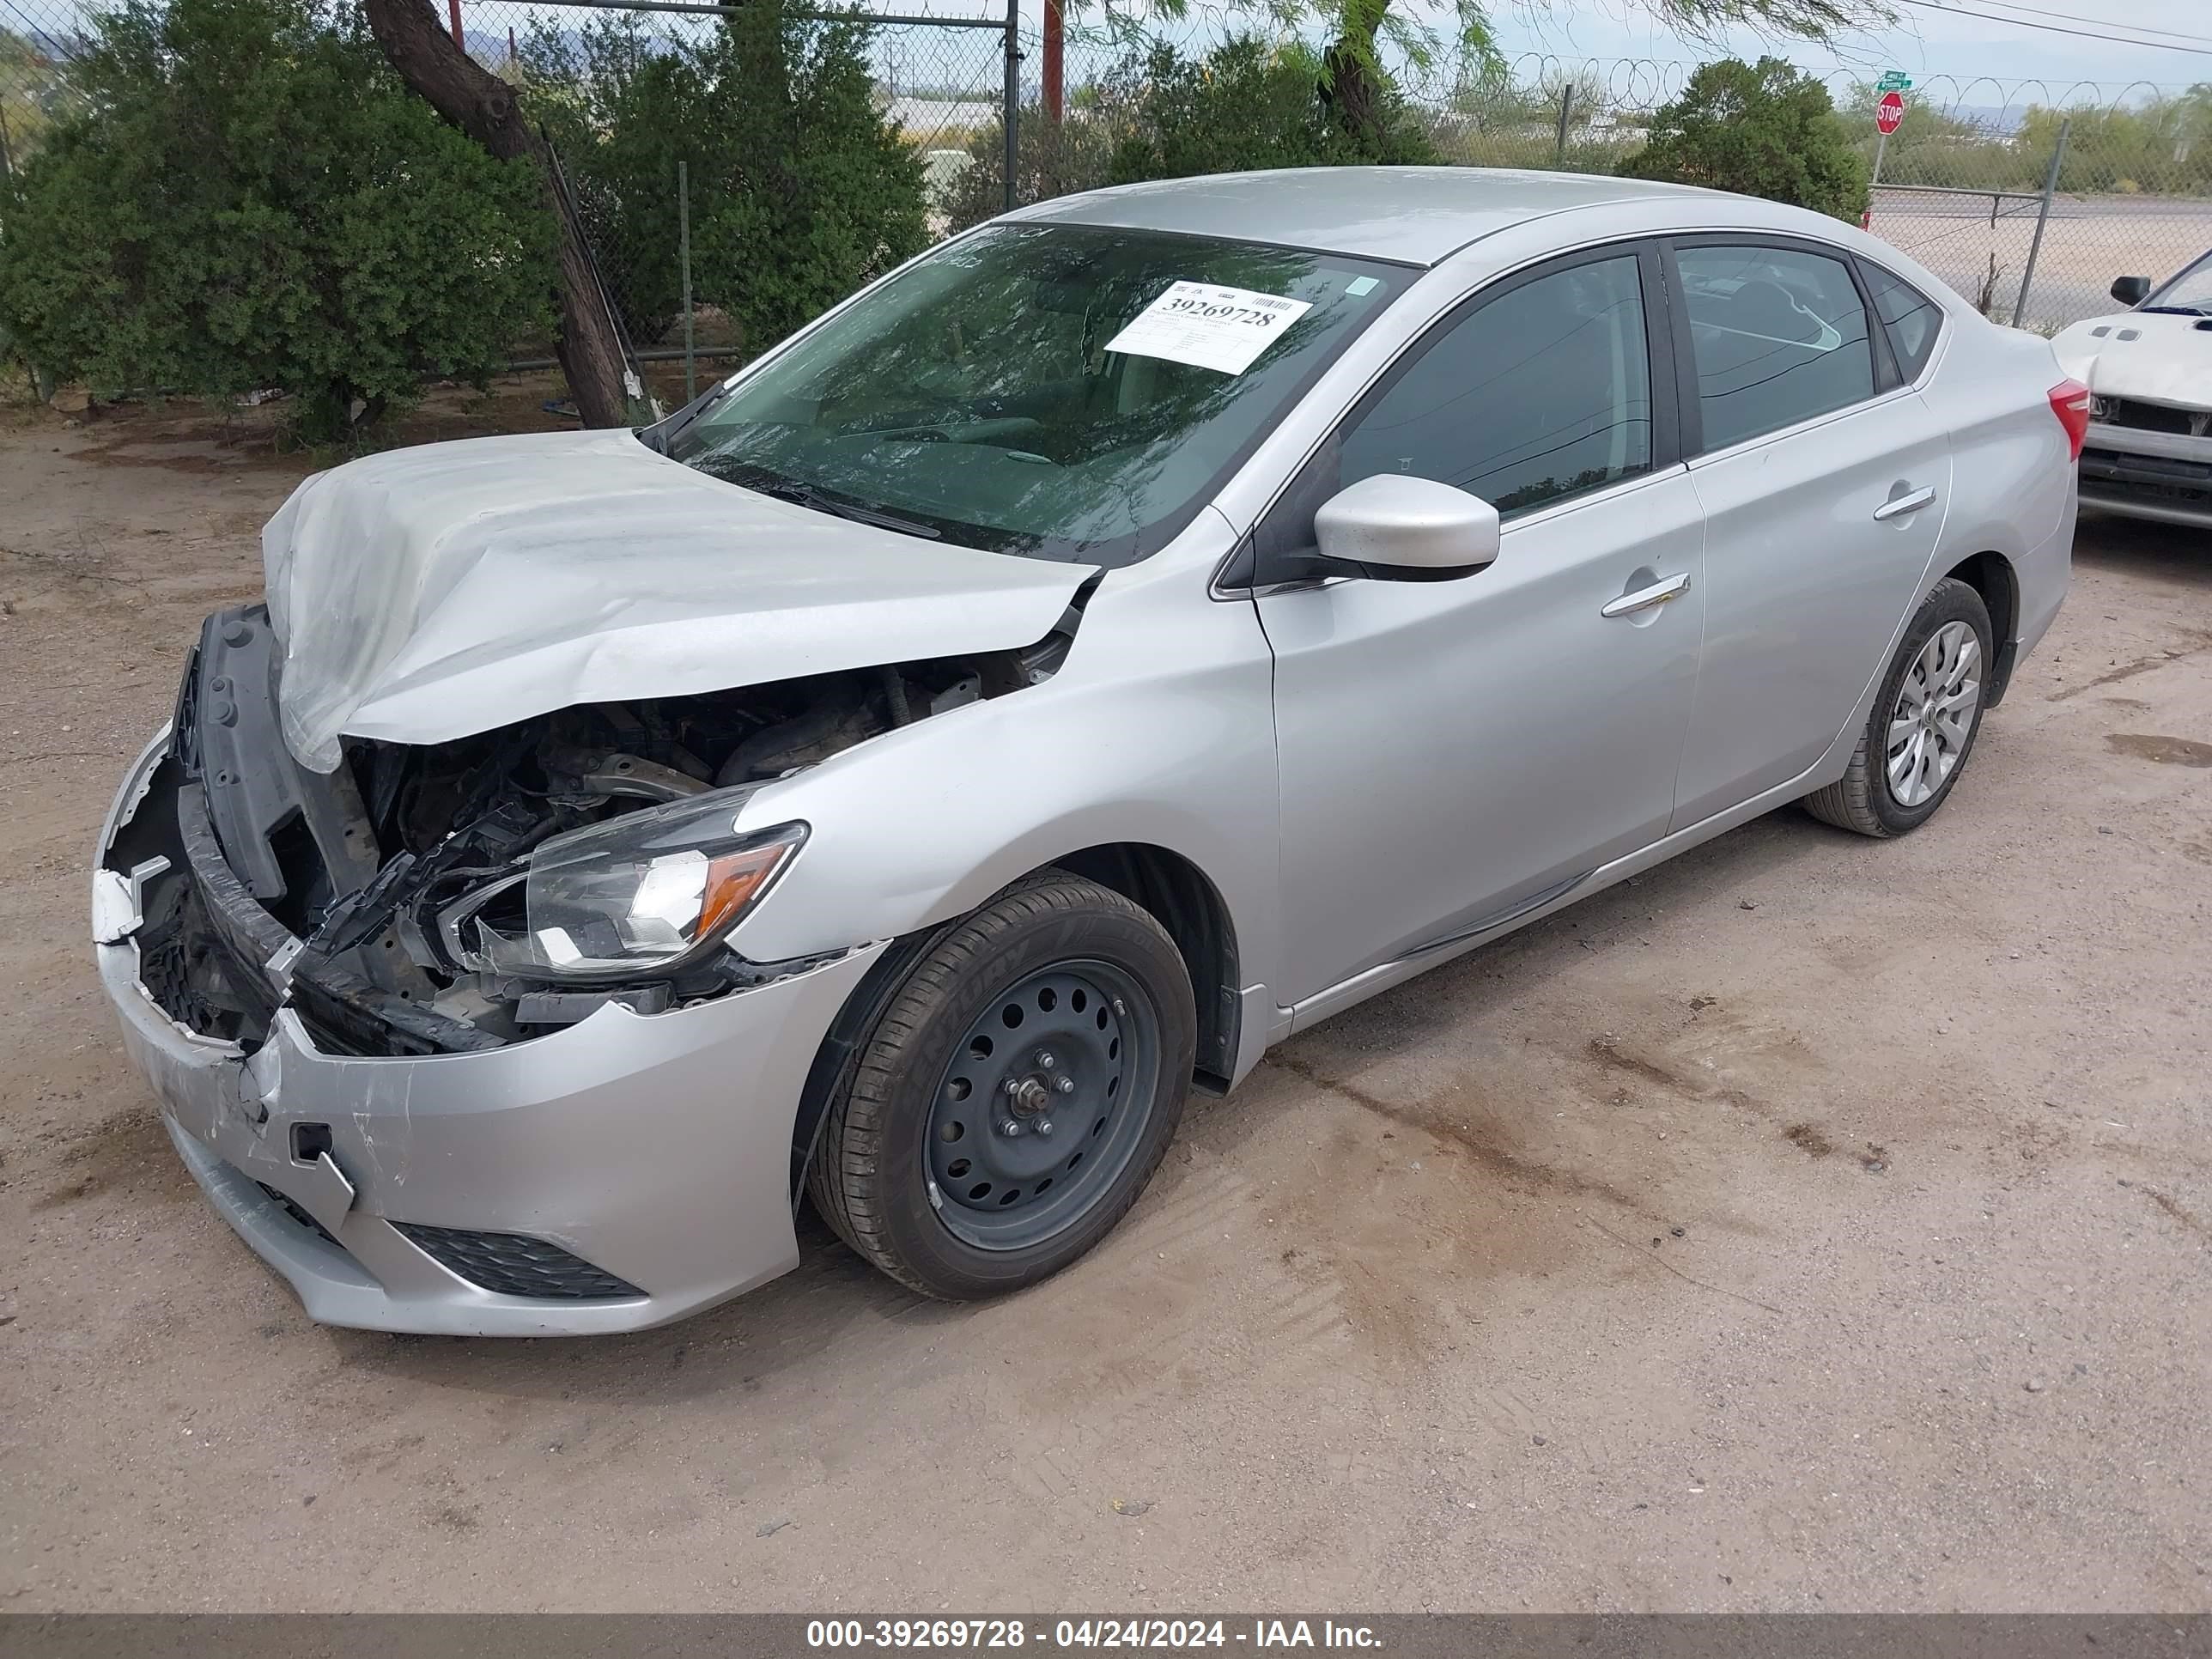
683, 257
2042, 217
1013, 95
1567, 106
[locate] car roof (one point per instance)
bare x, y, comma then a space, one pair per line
1415, 215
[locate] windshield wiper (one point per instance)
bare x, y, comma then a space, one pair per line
806, 495
2175, 311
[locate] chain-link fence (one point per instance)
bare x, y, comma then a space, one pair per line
1962, 182
2118, 181
680, 125
36, 47
1961, 185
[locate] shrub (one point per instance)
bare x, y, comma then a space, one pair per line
1051, 158
1246, 104
250, 199
1760, 129
801, 191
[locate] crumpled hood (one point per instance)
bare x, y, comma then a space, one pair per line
2168, 360
432, 594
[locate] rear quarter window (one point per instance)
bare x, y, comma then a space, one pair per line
1911, 319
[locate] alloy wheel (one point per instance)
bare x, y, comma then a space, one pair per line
1933, 718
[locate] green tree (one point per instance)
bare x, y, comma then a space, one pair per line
1758, 129
2163, 144
1051, 158
801, 190
1249, 104
250, 199
1352, 81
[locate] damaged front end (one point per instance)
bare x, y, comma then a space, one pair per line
468, 894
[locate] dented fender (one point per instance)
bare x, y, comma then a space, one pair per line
1158, 729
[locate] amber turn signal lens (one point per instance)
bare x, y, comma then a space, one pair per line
733, 879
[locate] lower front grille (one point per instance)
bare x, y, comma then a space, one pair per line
512, 1264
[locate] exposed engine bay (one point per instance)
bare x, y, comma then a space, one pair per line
400, 903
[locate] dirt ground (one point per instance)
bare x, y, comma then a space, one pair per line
1811, 1223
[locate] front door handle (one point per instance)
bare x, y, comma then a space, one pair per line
1898, 506
1644, 598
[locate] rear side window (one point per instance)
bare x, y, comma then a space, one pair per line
1780, 334
1912, 319
1543, 393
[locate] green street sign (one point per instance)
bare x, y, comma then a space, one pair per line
1894, 80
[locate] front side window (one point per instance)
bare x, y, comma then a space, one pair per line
1541, 394
1058, 392
1780, 335
1912, 320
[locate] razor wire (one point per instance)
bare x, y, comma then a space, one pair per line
1956, 189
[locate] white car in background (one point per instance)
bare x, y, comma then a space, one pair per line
2148, 454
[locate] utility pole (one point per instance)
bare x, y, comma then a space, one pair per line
1055, 53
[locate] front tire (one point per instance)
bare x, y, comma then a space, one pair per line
1015, 1095
1926, 714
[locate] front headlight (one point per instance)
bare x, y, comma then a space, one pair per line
638, 895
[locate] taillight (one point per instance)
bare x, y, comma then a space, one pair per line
2069, 402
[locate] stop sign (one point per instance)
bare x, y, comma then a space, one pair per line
1889, 113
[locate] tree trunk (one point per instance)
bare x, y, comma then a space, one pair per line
483, 106
1349, 84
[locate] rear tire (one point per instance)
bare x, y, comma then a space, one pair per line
1927, 712
1059, 1008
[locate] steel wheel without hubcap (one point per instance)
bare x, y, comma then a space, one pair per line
1933, 719
1022, 1072
1044, 1101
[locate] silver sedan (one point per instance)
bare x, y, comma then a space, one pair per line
1122, 637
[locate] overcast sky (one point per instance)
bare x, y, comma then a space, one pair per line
1925, 41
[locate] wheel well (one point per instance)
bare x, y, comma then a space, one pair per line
1992, 575
1185, 903
1180, 898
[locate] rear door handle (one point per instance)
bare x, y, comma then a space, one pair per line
1644, 598
1898, 506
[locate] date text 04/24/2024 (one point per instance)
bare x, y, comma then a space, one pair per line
1064, 1633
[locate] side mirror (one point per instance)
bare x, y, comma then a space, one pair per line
1395, 528
2131, 291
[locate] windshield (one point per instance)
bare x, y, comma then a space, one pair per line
2191, 291
1054, 391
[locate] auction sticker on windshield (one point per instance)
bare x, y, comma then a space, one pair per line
1209, 326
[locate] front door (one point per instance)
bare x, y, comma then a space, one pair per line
1453, 752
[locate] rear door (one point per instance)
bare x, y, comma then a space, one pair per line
1824, 480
